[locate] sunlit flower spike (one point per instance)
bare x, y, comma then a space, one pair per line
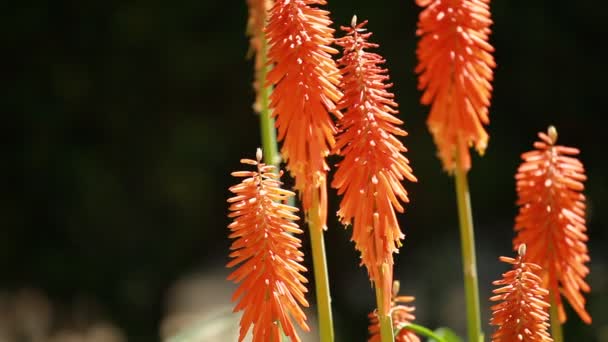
305, 78
551, 219
455, 67
522, 313
271, 287
373, 166
401, 314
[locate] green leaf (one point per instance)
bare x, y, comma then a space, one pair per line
445, 335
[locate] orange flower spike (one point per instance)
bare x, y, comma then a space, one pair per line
369, 177
305, 78
455, 71
522, 313
551, 219
256, 21
271, 287
401, 314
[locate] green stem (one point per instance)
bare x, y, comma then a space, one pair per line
556, 325
319, 261
268, 132
469, 262
420, 330
386, 322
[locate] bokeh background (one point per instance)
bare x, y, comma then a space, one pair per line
121, 121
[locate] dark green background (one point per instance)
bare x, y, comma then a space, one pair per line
121, 121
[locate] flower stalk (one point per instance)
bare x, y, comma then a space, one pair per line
384, 316
469, 259
556, 325
455, 74
319, 260
267, 130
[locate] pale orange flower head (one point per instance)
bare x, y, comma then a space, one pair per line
373, 165
455, 71
305, 78
401, 315
551, 219
271, 287
522, 313
256, 22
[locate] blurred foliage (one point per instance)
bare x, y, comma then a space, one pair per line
123, 119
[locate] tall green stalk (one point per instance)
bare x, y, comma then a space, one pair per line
556, 325
469, 262
326, 325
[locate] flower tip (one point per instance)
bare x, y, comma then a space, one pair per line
396, 286
258, 154
521, 250
353, 21
552, 132
481, 147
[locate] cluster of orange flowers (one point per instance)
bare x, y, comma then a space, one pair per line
455, 67
271, 286
551, 219
305, 78
455, 71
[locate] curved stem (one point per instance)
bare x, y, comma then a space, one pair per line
469, 262
420, 330
326, 325
556, 325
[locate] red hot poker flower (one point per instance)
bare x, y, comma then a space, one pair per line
401, 315
522, 313
271, 286
255, 30
455, 67
305, 78
551, 219
369, 177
